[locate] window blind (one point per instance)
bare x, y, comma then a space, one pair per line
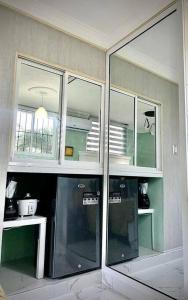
117, 138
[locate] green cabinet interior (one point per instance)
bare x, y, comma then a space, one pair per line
146, 153
77, 140
19, 243
146, 146
155, 193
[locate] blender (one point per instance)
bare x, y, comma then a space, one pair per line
143, 199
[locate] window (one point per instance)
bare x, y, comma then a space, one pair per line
35, 137
83, 120
38, 112
133, 130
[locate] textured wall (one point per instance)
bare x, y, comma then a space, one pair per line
144, 83
21, 34
77, 140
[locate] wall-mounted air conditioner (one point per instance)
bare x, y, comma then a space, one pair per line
78, 123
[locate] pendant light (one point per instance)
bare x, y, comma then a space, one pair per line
41, 113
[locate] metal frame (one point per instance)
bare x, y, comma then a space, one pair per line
136, 171
20, 61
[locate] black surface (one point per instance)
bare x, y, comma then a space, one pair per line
76, 241
123, 220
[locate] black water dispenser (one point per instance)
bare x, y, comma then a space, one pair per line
75, 245
122, 219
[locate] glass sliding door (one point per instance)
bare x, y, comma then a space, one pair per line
121, 128
82, 138
146, 134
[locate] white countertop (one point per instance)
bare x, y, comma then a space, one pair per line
145, 211
30, 220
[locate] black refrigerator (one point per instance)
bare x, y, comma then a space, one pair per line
122, 219
75, 226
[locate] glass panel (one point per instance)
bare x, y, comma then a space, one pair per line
146, 137
121, 131
144, 215
37, 130
82, 140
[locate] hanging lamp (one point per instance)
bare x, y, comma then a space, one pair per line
41, 113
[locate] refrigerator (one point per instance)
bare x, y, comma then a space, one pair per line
75, 226
122, 220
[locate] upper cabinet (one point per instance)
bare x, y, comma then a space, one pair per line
134, 126
58, 118
38, 113
83, 115
133, 130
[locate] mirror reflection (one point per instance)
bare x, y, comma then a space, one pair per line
144, 215
82, 141
146, 134
121, 131
38, 113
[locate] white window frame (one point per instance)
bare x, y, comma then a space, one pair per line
14, 159
70, 164
60, 165
135, 168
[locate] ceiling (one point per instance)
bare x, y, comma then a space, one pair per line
156, 49
33, 82
100, 22
83, 97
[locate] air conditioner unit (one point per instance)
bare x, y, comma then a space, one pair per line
78, 123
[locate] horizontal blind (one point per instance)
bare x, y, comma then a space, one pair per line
117, 138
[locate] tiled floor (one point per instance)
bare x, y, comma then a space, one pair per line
94, 293
167, 278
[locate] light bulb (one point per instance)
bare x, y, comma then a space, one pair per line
41, 113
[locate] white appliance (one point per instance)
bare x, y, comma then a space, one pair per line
78, 123
27, 206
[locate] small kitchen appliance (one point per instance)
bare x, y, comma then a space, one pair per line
143, 200
10, 205
27, 206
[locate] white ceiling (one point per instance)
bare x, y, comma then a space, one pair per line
156, 49
101, 22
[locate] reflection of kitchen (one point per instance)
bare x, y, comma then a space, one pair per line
144, 74
54, 204
82, 122
135, 219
